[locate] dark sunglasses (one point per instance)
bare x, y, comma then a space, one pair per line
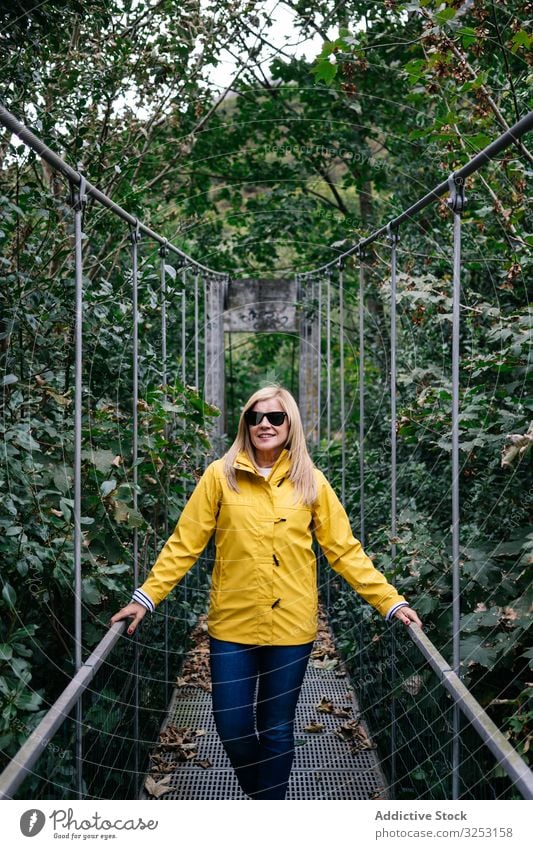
254, 418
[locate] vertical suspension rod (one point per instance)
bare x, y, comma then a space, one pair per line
319, 358
456, 203
206, 290
135, 238
362, 397
342, 402
164, 380
183, 380
393, 240
196, 335
79, 199
328, 363
163, 277
328, 404
183, 326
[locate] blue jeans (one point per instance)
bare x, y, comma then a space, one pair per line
260, 748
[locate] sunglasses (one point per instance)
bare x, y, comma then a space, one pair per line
254, 418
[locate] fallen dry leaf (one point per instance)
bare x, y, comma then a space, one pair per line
325, 705
342, 711
181, 741
157, 788
324, 647
327, 663
205, 764
196, 671
159, 765
353, 733
377, 794
314, 727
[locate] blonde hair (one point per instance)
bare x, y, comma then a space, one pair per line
301, 466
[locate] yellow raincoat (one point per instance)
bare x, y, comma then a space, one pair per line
264, 583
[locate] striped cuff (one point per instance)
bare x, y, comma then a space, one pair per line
394, 608
141, 598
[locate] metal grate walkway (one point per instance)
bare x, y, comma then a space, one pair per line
338, 762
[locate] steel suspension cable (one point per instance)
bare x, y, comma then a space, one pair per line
456, 202
392, 235
328, 365
164, 379
361, 397
319, 357
135, 239
393, 240
196, 335
523, 126
78, 204
342, 389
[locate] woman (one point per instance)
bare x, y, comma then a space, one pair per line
264, 499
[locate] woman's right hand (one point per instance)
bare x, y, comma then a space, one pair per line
135, 611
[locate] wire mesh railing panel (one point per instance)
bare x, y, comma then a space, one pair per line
116, 744
410, 713
111, 769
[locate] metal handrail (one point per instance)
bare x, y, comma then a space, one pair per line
21, 764
507, 757
489, 152
77, 179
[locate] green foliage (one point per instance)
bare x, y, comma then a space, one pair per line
299, 161
38, 530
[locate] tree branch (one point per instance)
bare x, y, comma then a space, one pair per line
322, 33
504, 54
307, 191
498, 115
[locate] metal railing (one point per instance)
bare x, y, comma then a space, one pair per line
29, 753
123, 685
407, 692
80, 190
506, 757
454, 185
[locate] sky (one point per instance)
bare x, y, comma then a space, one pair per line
282, 34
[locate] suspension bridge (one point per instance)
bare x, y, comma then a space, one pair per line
409, 712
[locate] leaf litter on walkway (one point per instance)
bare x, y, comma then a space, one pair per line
177, 747
325, 656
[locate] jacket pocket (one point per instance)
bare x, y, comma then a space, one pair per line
215, 581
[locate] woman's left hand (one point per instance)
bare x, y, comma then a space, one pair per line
407, 615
